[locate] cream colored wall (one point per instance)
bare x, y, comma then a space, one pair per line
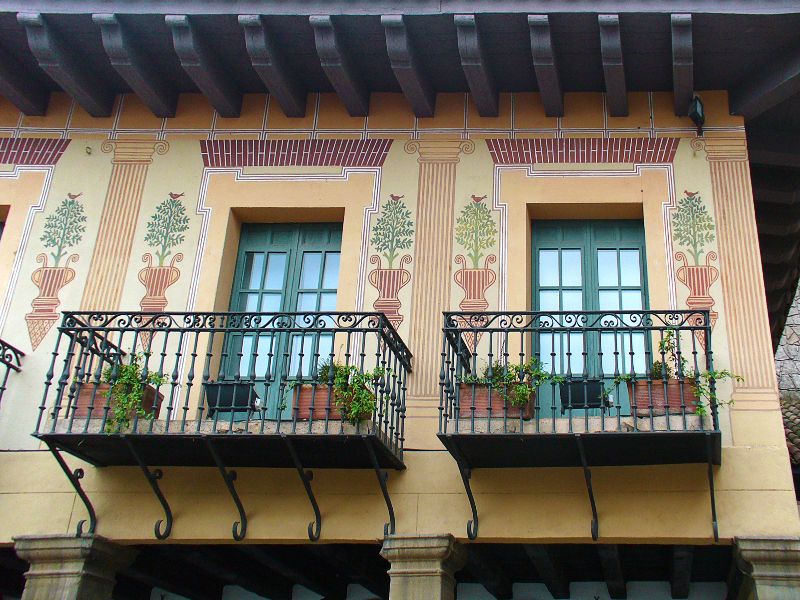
662, 504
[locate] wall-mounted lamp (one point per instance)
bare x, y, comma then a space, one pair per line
697, 115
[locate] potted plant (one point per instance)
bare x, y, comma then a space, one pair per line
353, 393
131, 390
509, 385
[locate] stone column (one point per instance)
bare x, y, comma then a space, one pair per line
432, 256
422, 566
772, 566
112, 251
71, 568
742, 276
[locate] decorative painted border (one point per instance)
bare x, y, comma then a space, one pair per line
31, 151
301, 153
583, 150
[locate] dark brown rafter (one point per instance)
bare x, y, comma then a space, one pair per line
339, 67
204, 67
612, 570
550, 569
58, 60
406, 67
767, 86
373, 580
546, 65
681, 576
135, 67
613, 66
473, 61
682, 63
489, 574
281, 80
19, 88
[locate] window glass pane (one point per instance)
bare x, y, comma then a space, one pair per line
309, 275
244, 361
573, 356
302, 352
307, 302
271, 303
263, 357
253, 270
571, 267
251, 303
609, 300
276, 268
612, 361
572, 299
631, 300
630, 267
548, 301
549, 345
330, 277
327, 302
607, 268
325, 348
548, 268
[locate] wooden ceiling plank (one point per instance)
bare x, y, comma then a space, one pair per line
682, 62
23, 91
204, 67
612, 570
550, 569
613, 65
489, 575
282, 82
135, 67
476, 69
545, 65
357, 570
407, 68
767, 86
57, 58
339, 67
681, 577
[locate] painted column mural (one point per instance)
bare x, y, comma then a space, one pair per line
112, 251
434, 247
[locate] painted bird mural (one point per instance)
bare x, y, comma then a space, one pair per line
73, 196
396, 198
175, 196
476, 199
690, 194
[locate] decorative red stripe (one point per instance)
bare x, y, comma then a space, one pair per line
282, 153
582, 150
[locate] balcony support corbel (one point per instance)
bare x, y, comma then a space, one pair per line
588, 475
383, 476
240, 526
710, 452
75, 479
466, 475
153, 478
315, 527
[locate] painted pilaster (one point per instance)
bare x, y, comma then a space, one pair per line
112, 251
71, 568
772, 567
434, 248
422, 567
742, 277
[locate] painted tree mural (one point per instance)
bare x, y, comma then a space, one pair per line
475, 229
692, 226
165, 228
393, 230
64, 228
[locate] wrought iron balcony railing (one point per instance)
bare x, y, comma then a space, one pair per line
10, 360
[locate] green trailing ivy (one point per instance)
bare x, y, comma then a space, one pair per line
64, 228
128, 382
393, 230
475, 230
165, 228
692, 226
517, 382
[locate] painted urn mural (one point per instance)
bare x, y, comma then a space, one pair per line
475, 231
164, 232
693, 228
392, 233
62, 230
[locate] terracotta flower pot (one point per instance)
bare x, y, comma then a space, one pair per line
151, 401
479, 398
640, 395
303, 395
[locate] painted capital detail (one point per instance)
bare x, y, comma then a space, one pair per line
63, 229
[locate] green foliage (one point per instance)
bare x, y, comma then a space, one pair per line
355, 391
475, 230
517, 382
393, 230
64, 228
166, 227
693, 226
128, 381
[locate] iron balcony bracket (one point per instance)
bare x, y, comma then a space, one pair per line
383, 476
588, 475
240, 526
153, 478
315, 527
75, 479
710, 452
466, 475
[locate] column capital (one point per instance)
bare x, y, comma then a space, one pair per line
728, 149
439, 151
133, 151
773, 564
423, 566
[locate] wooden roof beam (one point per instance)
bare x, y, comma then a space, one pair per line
682, 63
476, 69
488, 574
550, 569
546, 66
204, 67
135, 67
57, 58
768, 86
681, 576
282, 83
339, 67
612, 570
20, 89
613, 65
406, 66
